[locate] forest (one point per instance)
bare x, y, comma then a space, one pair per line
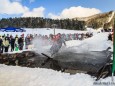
39, 22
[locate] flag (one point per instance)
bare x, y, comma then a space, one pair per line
113, 66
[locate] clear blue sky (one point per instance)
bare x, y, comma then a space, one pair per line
57, 6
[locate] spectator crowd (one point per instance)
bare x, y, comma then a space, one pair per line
14, 43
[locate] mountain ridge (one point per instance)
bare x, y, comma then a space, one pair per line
101, 20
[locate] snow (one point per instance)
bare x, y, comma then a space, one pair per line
110, 18
42, 31
97, 43
23, 76
47, 31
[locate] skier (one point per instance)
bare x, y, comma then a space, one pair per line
57, 44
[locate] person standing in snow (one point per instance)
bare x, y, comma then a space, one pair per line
110, 37
27, 41
16, 44
6, 44
21, 42
3, 38
1, 44
57, 44
12, 42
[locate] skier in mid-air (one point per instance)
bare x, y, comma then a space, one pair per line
58, 40
57, 44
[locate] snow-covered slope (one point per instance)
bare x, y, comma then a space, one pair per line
98, 42
110, 18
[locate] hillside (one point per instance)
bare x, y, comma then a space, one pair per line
102, 20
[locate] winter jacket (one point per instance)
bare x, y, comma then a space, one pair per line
57, 45
12, 41
27, 41
16, 41
20, 40
6, 43
1, 42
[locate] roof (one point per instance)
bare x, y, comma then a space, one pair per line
12, 29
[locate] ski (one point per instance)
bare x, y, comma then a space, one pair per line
48, 59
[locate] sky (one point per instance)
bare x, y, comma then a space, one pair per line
54, 8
